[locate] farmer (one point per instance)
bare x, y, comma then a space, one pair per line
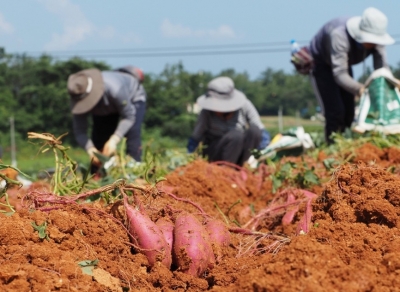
228, 125
116, 102
340, 43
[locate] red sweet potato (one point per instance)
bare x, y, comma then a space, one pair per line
218, 232
148, 236
167, 228
219, 236
192, 249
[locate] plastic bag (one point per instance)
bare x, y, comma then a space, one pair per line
292, 142
379, 106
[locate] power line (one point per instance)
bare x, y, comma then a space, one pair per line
185, 51
167, 49
180, 48
183, 54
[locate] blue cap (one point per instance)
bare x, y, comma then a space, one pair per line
292, 41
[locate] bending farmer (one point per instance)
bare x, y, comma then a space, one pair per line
340, 43
228, 125
116, 102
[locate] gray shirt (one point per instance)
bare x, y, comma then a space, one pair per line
334, 46
209, 123
121, 90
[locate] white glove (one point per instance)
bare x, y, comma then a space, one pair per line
252, 162
111, 145
93, 157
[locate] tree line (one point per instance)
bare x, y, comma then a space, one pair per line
33, 91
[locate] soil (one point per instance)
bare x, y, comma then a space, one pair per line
352, 244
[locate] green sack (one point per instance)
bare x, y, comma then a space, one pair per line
379, 107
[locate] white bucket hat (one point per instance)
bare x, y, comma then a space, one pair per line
370, 28
221, 96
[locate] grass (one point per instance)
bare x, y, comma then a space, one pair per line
272, 124
31, 161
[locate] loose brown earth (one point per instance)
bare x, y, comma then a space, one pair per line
353, 244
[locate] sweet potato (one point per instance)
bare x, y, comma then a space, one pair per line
192, 249
167, 228
148, 236
219, 236
218, 232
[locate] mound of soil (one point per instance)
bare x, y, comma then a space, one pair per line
353, 243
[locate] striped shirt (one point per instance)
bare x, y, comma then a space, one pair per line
210, 124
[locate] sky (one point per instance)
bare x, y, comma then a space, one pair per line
209, 35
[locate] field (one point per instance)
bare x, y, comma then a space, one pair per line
325, 221
272, 123
31, 161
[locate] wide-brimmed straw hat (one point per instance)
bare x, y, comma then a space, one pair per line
370, 28
132, 70
221, 96
86, 89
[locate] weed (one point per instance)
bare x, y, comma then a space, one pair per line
65, 180
41, 229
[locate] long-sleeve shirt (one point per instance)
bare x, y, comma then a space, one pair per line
120, 91
209, 123
334, 46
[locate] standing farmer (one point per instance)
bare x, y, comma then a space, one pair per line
116, 102
228, 125
340, 43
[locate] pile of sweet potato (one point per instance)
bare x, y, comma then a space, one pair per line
181, 240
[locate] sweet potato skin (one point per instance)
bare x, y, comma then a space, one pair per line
167, 228
218, 232
192, 251
148, 236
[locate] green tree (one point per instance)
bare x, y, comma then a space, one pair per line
168, 98
33, 90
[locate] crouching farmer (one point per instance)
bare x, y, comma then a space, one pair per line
115, 101
228, 125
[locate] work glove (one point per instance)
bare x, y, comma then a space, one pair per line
91, 152
265, 139
191, 145
111, 145
360, 93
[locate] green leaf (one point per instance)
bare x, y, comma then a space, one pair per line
287, 167
41, 229
310, 177
329, 163
276, 184
87, 266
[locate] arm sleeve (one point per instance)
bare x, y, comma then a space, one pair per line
339, 57
201, 127
126, 110
80, 126
252, 115
379, 57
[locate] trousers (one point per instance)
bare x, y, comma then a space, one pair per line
105, 126
235, 146
338, 105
